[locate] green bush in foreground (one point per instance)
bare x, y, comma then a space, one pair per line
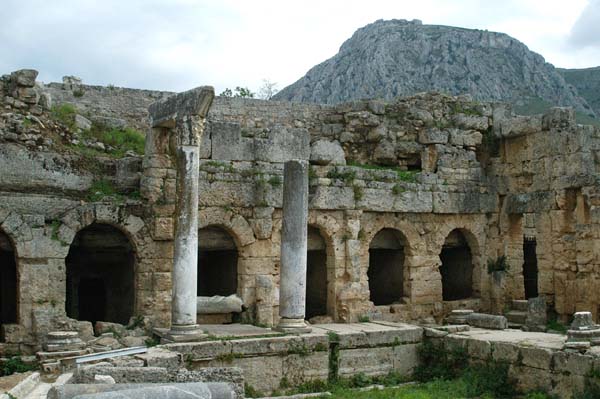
16, 365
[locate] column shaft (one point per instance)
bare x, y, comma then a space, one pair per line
292, 291
185, 265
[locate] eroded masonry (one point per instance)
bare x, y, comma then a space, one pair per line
418, 207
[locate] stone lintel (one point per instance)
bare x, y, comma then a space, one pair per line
195, 102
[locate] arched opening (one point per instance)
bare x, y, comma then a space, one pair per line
217, 262
530, 267
100, 275
8, 282
457, 267
316, 275
386, 267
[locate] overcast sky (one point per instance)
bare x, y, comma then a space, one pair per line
179, 44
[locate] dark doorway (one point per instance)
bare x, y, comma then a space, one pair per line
457, 267
100, 275
386, 267
8, 282
91, 292
217, 262
316, 275
530, 267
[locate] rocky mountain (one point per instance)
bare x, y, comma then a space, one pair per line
587, 83
393, 58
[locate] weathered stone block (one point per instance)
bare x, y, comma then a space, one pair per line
536, 357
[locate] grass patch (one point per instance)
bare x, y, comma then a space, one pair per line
466, 108
119, 140
347, 176
103, 189
409, 176
556, 325
65, 114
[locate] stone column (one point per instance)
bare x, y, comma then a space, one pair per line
184, 115
292, 286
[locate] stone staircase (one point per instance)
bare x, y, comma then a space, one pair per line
517, 315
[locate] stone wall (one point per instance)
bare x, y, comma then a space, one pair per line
428, 167
548, 184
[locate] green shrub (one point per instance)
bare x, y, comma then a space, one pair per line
498, 265
490, 378
16, 365
439, 363
100, 189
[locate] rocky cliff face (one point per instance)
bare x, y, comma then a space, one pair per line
394, 58
587, 83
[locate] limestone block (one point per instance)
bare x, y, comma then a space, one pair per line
262, 373
529, 379
504, 351
159, 357
473, 122
83, 123
433, 136
228, 144
482, 320
406, 358
275, 345
163, 228
283, 145
522, 125
201, 350
572, 363
298, 369
536, 357
479, 349
195, 102
102, 327
332, 197
24, 77
385, 153
370, 361
558, 118
377, 134
323, 152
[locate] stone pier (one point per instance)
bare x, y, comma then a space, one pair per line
184, 114
292, 292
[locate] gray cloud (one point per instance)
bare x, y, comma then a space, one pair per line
179, 44
586, 30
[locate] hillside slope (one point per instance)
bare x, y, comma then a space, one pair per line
393, 58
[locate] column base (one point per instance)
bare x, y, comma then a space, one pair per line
292, 326
183, 333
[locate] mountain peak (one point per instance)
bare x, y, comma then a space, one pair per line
391, 58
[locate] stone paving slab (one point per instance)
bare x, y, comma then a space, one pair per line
518, 337
235, 330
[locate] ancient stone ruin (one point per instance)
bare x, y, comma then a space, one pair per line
305, 218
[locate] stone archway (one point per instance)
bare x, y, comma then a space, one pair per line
217, 262
456, 267
100, 275
386, 271
8, 281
